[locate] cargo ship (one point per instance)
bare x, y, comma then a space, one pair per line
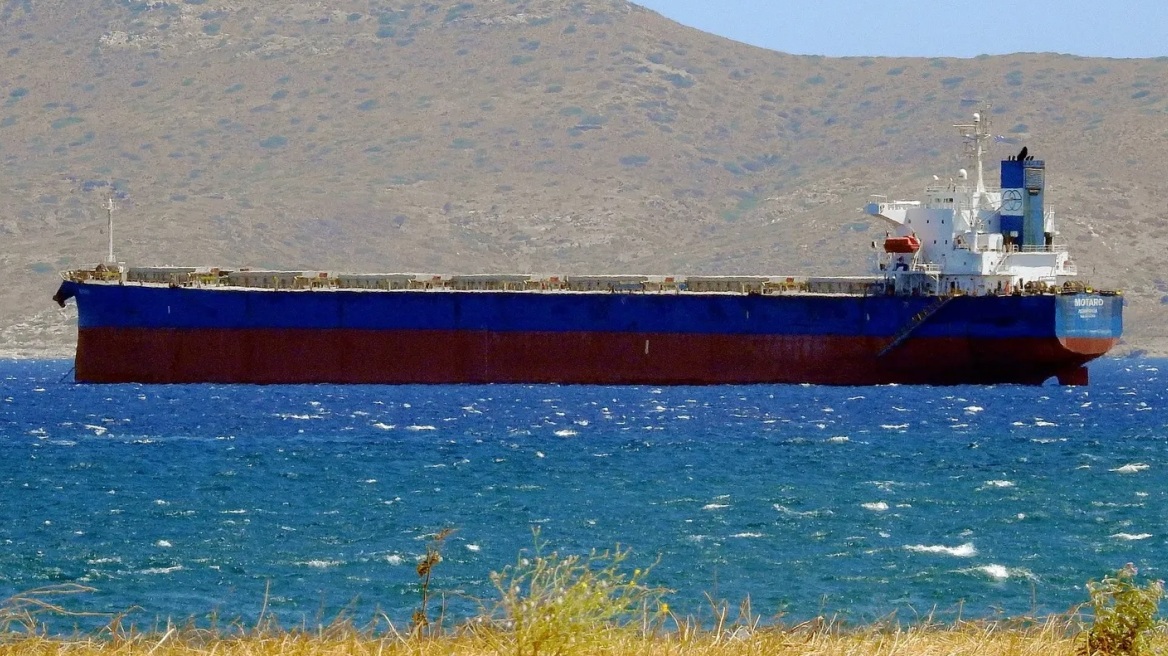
969, 286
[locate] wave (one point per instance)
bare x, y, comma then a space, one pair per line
1131, 536
800, 513
319, 564
966, 550
161, 570
1131, 468
877, 506
996, 572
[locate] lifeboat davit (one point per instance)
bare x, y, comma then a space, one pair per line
909, 244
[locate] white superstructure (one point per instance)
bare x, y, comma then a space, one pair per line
970, 239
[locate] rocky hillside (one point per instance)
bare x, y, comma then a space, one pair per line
503, 135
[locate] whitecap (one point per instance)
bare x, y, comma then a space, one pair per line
393, 559
999, 483
1131, 536
1043, 422
165, 544
800, 513
894, 426
97, 430
241, 511
566, 432
996, 572
1131, 468
420, 428
877, 506
715, 506
747, 535
161, 570
838, 439
973, 409
319, 564
383, 426
966, 550
103, 561
473, 547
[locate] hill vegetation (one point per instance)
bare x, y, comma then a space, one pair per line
522, 135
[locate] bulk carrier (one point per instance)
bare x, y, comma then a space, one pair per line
970, 285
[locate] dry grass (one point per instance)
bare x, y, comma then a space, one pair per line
553, 605
1052, 637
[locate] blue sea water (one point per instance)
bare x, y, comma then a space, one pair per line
187, 501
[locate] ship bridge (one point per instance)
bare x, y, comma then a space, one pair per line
965, 237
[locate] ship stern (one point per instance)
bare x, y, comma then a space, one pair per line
1087, 325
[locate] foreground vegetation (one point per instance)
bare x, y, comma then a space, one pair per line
1051, 638
548, 604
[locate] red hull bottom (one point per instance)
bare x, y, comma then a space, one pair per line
121, 355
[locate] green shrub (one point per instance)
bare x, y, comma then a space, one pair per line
1124, 614
553, 604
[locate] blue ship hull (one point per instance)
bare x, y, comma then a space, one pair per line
156, 333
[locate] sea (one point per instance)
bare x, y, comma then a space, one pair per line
306, 504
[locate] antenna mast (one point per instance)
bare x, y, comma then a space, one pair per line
977, 136
109, 211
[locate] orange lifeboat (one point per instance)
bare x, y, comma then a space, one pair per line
909, 244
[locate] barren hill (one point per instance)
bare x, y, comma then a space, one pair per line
534, 135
